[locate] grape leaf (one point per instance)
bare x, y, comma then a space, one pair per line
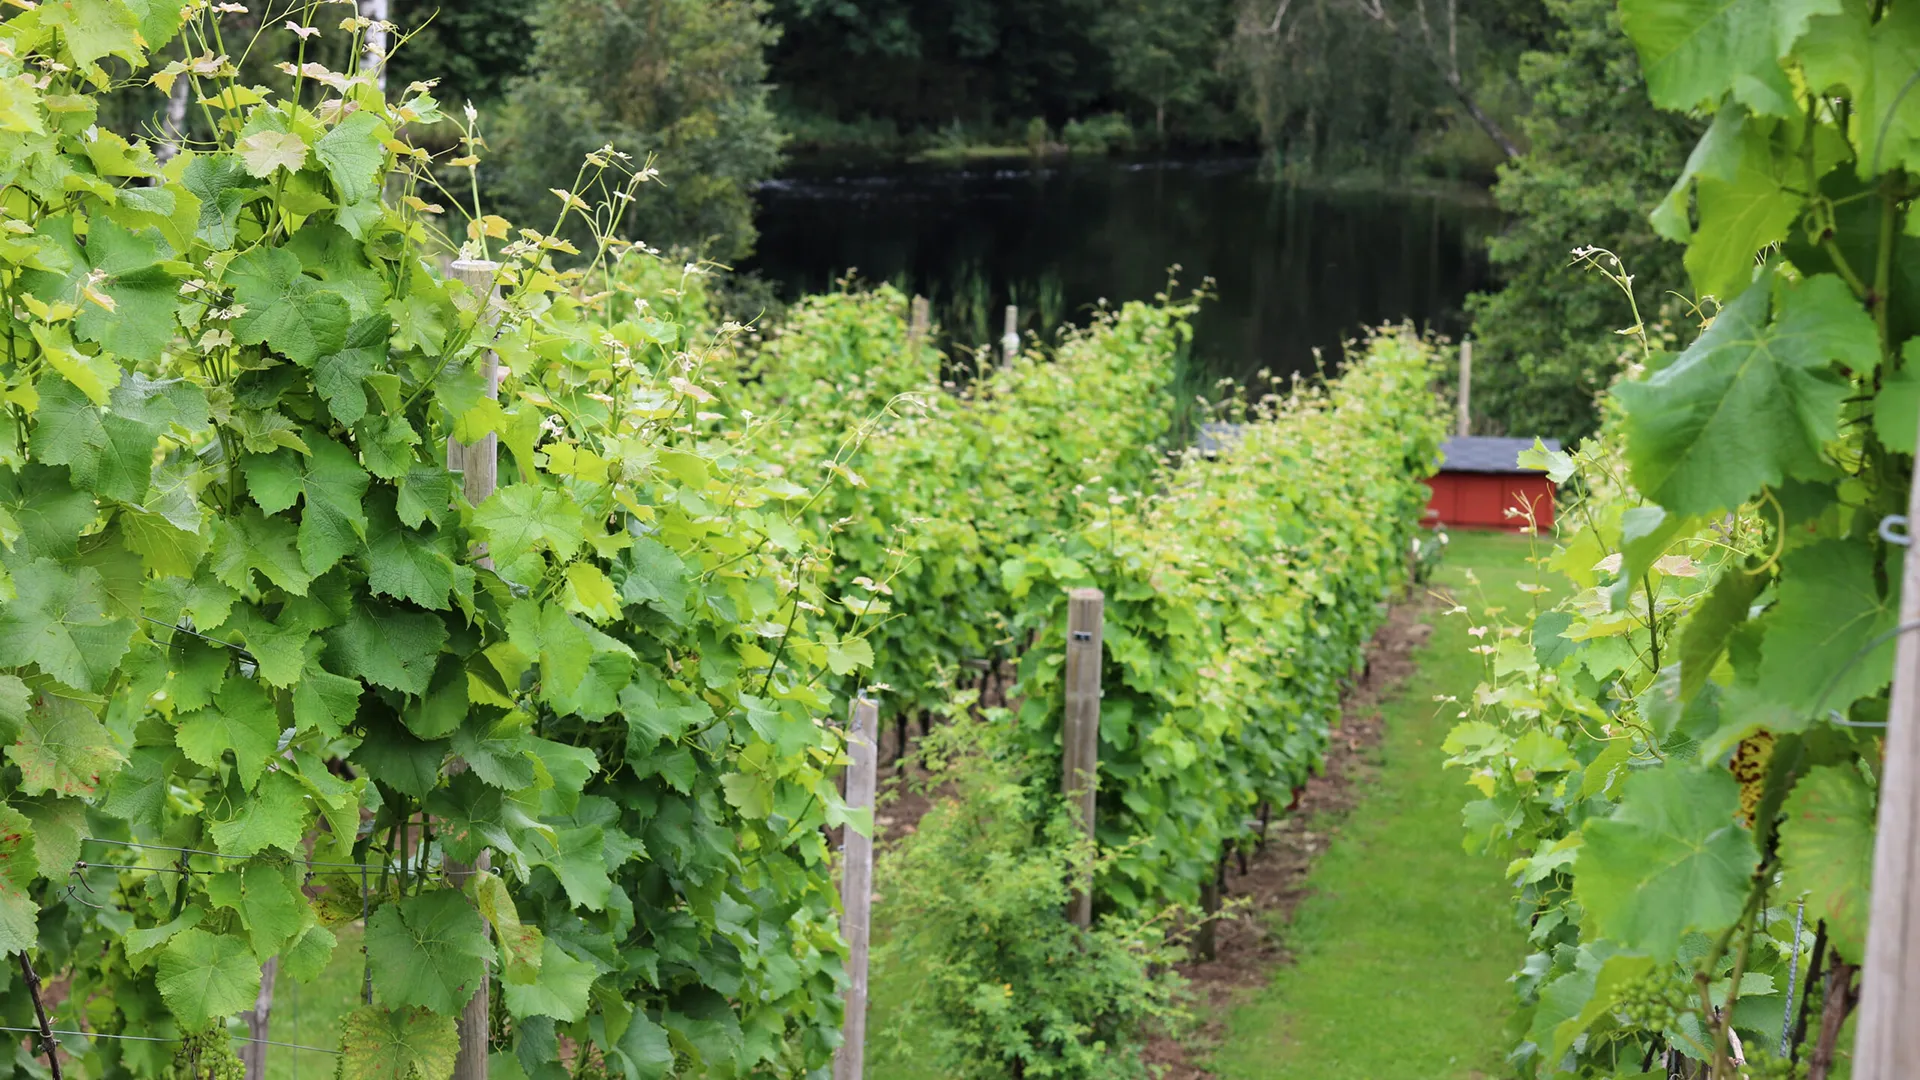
338, 376
106, 453
498, 751
63, 749
323, 701
52, 515
387, 646
428, 950
276, 817
1896, 412
1693, 51
265, 152
1868, 55
247, 541
268, 900
1750, 402
96, 28
285, 309
441, 710
15, 700
561, 990
242, 720
1717, 155
1670, 860
644, 1045
279, 649
521, 520
138, 792
18, 868
58, 824
59, 621
1826, 851
656, 577
125, 267
407, 564
520, 944
1740, 214
223, 187
578, 858
353, 155
142, 940
1704, 640
397, 1044
330, 253
409, 765
307, 956
1829, 608
204, 977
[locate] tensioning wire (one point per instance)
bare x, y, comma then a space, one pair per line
157, 1039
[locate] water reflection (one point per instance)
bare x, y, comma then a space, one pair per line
1295, 269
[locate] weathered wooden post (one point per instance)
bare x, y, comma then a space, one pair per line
1080, 735
1466, 388
480, 472
856, 887
1887, 1041
919, 322
1010, 339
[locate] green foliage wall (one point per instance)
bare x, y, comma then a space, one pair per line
1240, 592
1686, 754
255, 681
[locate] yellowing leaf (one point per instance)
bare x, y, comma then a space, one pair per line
265, 151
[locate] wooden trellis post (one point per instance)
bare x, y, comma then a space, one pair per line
479, 466
1887, 1041
1465, 425
856, 886
919, 322
1080, 735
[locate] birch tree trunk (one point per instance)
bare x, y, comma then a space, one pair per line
176, 129
374, 61
253, 1055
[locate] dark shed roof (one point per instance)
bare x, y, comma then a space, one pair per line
1486, 454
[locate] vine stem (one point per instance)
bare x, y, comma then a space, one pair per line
40, 1011
1703, 976
1724, 1034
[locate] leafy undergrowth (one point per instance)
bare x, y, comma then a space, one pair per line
1404, 947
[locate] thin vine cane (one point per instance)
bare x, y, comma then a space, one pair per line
480, 469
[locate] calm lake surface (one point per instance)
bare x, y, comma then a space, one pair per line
1294, 270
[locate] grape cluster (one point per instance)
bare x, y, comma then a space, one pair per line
1763, 1064
1651, 1002
206, 1056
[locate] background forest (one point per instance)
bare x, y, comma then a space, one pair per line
1540, 101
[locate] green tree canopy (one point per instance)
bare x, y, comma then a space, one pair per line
680, 80
1600, 158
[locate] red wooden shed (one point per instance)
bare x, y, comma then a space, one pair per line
1479, 481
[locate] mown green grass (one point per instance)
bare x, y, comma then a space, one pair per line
1405, 943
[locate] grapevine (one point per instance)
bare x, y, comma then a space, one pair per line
1679, 754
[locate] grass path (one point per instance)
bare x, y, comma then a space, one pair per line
1404, 947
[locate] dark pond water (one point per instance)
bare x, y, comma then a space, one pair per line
1294, 269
